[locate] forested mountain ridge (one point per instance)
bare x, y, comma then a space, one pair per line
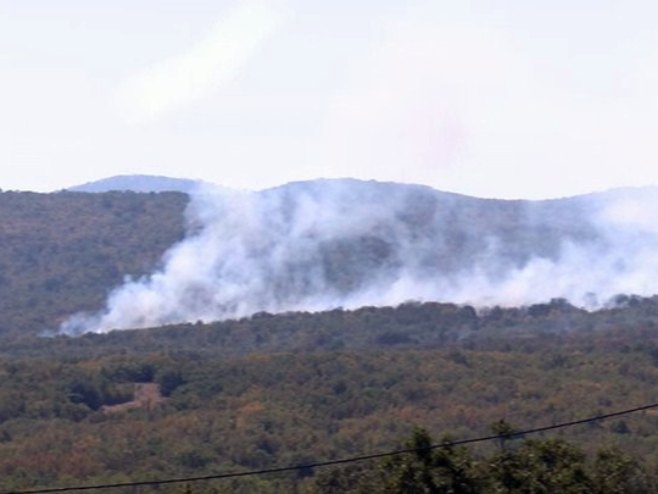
63, 252
293, 388
317, 245
407, 326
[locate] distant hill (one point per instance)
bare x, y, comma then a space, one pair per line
64, 252
139, 183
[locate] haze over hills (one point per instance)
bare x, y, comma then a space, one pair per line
327, 243
309, 246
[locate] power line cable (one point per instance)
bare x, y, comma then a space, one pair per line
340, 461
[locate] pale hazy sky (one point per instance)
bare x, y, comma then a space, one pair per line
491, 98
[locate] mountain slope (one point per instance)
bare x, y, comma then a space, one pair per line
310, 246
63, 252
329, 243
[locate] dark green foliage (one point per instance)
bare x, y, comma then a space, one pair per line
430, 470
551, 465
169, 379
535, 466
128, 370
617, 473
86, 393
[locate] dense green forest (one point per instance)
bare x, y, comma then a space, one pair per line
298, 388
62, 253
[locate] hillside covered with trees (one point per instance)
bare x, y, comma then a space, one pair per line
270, 390
62, 253
299, 388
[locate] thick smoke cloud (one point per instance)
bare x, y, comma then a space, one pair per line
324, 244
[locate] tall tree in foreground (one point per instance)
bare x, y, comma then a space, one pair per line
533, 466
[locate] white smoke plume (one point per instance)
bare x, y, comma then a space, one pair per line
318, 245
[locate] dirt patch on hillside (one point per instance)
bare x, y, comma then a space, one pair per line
146, 395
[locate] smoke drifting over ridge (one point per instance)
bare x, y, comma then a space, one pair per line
324, 244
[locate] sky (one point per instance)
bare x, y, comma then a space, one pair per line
505, 98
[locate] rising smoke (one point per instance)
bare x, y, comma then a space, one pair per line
323, 244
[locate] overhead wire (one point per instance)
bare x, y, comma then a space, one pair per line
339, 461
